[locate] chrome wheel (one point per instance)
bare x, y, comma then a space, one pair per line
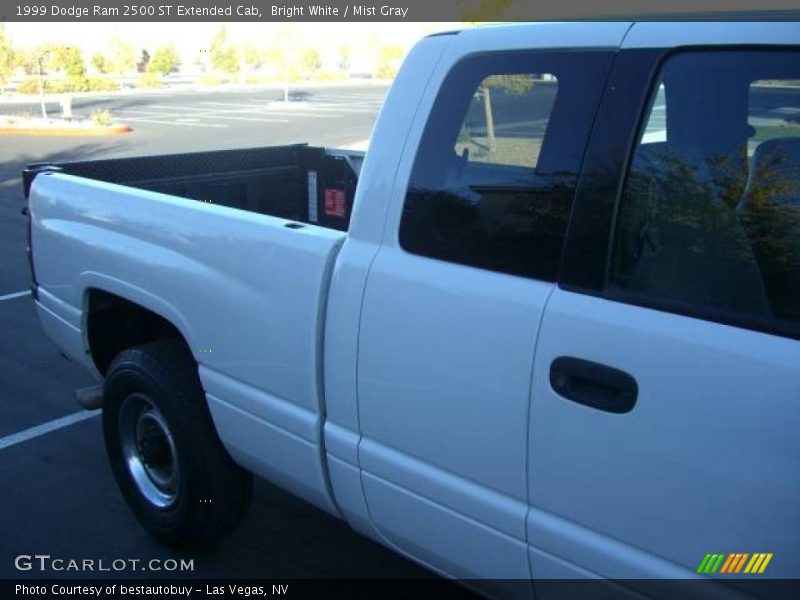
148, 450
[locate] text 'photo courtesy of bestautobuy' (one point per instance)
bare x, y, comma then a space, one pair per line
373, 306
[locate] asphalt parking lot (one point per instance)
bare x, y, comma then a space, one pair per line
59, 497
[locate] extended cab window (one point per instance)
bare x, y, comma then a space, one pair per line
494, 176
710, 211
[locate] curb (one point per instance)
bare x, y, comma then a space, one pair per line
67, 131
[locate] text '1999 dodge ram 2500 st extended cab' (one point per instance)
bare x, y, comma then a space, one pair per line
551, 333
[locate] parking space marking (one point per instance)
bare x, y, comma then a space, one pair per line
45, 428
283, 113
14, 295
144, 113
189, 109
210, 113
197, 114
232, 118
157, 122
261, 105
301, 110
340, 108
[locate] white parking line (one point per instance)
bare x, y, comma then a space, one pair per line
350, 97
235, 105
222, 114
14, 295
44, 428
156, 122
283, 113
232, 118
174, 109
302, 110
196, 118
339, 108
145, 113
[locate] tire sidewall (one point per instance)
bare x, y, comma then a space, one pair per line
126, 378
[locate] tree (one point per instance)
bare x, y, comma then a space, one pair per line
285, 49
34, 62
66, 58
389, 58
122, 57
311, 61
344, 57
101, 62
253, 57
165, 60
8, 59
512, 84
224, 56
144, 60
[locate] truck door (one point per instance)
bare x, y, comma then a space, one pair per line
665, 403
453, 304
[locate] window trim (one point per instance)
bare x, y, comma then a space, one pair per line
598, 224
587, 244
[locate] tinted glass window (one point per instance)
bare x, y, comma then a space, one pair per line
495, 173
710, 210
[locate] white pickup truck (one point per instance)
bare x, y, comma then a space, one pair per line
553, 332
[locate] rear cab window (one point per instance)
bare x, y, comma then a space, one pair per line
495, 172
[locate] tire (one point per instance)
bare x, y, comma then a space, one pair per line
164, 451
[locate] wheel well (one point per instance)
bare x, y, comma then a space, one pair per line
115, 324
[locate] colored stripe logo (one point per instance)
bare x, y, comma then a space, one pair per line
735, 562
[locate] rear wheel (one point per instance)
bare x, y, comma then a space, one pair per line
168, 461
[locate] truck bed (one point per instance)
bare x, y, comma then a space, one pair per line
297, 182
246, 291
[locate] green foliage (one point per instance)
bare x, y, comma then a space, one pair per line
224, 56
8, 59
389, 59
101, 117
149, 81
513, 84
165, 60
272, 55
68, 85
122, 57
102, 84
29, 86
326, 75
292, 73
256, 79
33, 60
208, 79
101, 63
311, 61
65, 58
344, 57
50, 58
253, 57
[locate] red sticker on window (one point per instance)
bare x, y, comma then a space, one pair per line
334, 203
